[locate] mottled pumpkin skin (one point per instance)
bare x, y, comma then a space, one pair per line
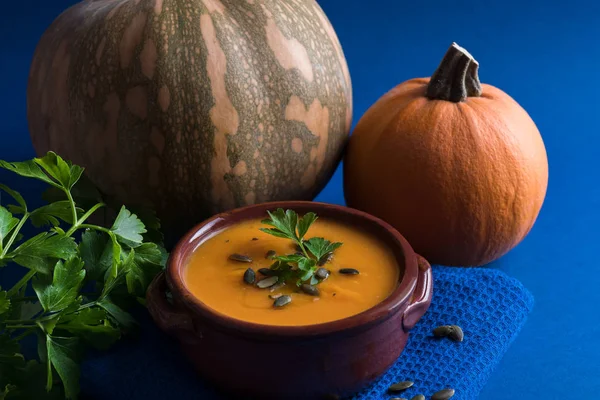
463, 182
193, 106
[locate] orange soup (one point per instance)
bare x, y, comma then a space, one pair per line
218, 281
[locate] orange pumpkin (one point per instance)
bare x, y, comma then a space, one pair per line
459, 168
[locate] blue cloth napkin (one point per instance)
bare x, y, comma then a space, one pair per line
490, 307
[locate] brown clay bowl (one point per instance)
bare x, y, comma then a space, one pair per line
328, 360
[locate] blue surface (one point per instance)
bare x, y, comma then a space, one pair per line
546, 54
490, 307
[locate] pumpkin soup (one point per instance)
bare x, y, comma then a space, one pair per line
237, 272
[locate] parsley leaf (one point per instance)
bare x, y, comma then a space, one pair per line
293, 258
306, 264
7, 224
23, 310
308, 267
40, 252
141, 268
46, 168
287, 224
4, 302
104, 260
305, 276
92, 325
320, 247
28, 169
48, 325
63, 357
9, 351
28, 382
6, 391
128, 228
64, 172
51, 213
84, 193
305, 222
151, 223
114, 252
114, 280
15, 195
123, 318
64, 288
96, 253
275, 232
284, 222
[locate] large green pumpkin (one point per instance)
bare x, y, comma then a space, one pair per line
193, 106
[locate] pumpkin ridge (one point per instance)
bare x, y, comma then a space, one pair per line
122, 88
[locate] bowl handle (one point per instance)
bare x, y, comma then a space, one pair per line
421, 297
166, 316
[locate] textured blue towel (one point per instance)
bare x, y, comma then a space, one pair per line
490, 307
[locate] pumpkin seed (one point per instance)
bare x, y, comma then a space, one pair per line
456, 334
275, 296
282, 301
240, 258
400, 386
349, 271
442, 331
277, 286
267, 282
271, 254
418, 397
322, 273
443, 394
325, 259
249, 276
266, 272
310, 289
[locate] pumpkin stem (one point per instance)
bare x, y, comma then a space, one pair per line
456, 78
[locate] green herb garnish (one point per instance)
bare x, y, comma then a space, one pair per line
83, 275
298, 267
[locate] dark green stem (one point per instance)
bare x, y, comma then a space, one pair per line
14, 235
95, 227
35, 298
22, 282
24, 334
20, 326
88, 305
456, 78
300, 243
83, 218
73, 206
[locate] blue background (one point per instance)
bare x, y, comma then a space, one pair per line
545, 55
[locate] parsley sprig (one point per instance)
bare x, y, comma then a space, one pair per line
298, 268
81, 286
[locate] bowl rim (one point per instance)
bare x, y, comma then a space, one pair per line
383, 310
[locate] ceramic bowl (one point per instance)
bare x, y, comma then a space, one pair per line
328, 360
